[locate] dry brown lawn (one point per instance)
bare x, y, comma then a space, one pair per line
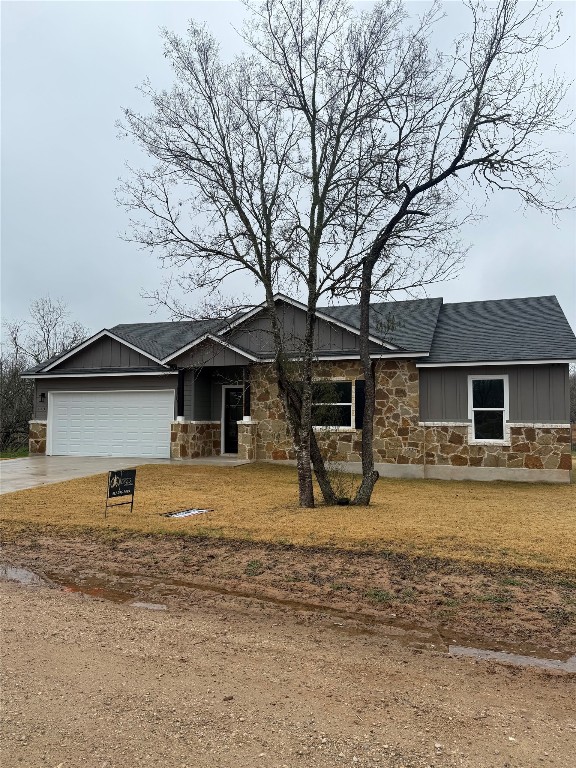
512, 524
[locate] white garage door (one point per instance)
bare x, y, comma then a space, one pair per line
127, 423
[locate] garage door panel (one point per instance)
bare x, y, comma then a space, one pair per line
130, 423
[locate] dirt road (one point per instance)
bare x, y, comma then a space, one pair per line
227, 681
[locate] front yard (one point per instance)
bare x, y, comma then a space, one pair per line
508, 524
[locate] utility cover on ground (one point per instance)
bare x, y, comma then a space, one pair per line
187, 512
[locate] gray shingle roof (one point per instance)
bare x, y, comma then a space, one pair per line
408, 325
163, 339
526, 329
534, 328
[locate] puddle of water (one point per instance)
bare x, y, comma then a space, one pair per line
122, 587
516, 659
20, 575
94, 587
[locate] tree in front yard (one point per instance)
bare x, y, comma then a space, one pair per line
329, 160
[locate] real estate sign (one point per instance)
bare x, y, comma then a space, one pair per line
121, 482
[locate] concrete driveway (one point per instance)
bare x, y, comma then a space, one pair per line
30, 472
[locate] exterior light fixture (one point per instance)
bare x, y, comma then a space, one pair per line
42, 397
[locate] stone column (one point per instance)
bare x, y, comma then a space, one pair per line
37, 437
247, 434
194, 439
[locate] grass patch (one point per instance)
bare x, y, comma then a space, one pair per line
19, 453
511, 582
254, 568
507, 524
496, 599
379, 595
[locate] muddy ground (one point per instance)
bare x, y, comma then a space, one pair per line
244, 655
450, 601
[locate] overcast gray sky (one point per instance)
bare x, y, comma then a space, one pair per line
68, 68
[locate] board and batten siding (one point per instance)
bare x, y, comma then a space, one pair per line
539, 394
96, 384
105, 353
255, 335
209, 354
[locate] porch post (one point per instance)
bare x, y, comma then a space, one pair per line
245, 392
180, 395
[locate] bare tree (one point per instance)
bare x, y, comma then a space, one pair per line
45, 333
478, 116
15, 403
329, 158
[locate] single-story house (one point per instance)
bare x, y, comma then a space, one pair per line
474, 390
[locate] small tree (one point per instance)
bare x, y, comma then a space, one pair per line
45, 333
329, 159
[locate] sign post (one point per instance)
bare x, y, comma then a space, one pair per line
121, 482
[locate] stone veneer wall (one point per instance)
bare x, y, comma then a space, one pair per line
399, 436
37, 437
194, 439
530, 447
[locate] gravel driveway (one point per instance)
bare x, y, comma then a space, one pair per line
232, 683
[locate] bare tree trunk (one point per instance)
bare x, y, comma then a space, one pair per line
293, 406
306, 489
301, 437
305, 484
320, 471
369, 474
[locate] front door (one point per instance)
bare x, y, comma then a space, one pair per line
233, 411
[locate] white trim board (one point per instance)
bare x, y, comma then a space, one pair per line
538, 425
476, 363
210, 336
522, 424
377, 356
96, 375
91, 340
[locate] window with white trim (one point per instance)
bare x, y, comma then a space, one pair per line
488, 408
332, 404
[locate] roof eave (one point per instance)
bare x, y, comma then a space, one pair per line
475, 363
91, 340
211, 337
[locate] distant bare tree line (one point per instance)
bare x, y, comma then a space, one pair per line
46, 332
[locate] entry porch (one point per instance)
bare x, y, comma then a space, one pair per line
213, 404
